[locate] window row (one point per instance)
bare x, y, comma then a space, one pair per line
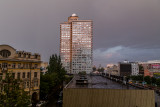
27, 84
19, 65
24, 55
24, 75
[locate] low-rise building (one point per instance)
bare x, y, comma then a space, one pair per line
127, 68
23, 65
151, 68
112, 70
135, 68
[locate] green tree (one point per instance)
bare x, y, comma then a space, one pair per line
153, 80
82, 73
101, 69
94, 68
140, 78
158, 82
141, 68
52, 81
147, 79
13, 94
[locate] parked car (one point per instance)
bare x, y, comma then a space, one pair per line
39, 104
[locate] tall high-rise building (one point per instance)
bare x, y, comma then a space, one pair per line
76, 45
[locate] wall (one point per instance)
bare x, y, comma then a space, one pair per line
108, 98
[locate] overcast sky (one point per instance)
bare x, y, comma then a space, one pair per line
123, 29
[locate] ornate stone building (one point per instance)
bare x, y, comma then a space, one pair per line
23, 65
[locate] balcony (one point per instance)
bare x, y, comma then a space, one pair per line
4, 70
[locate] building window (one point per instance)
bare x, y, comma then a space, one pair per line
24, 65
23, 75
1, 74
13, 65
28, 74
35, 83
29, 56
13, 75
19, 65
27, 66
35, 74
18, 75
27, 85
36, 56
35, 66
19, 55
24, 55
5, 53
4, 65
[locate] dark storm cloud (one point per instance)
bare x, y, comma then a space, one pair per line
33, 25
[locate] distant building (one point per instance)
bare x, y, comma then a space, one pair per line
127, 68
135, 68
76, 45
44, 66
22, 65
151, 68
112, 70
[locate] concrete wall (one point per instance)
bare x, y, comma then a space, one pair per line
108, 98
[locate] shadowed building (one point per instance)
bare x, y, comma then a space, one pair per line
128, 68
76, 45
102, 92
23, 65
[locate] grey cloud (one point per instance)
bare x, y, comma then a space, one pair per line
33, 25
121, 53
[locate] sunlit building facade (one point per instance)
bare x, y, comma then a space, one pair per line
23, 66
76, 45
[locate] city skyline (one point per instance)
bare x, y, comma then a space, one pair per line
123, 30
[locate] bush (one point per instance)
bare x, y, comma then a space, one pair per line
147, 79
82, 73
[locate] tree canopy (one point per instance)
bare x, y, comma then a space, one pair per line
12, 93
52, 81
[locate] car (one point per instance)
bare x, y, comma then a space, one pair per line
39, 104
61, 94
30, 105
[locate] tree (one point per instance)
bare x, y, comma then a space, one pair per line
101, 69
140, 78
13, 93
141, 68
82, 73
52, 81
158, 82
147, 79
153, 80
94, 68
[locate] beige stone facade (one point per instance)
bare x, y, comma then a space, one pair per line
23, 65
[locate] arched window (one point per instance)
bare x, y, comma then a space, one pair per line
24, 55
19, 55
5, 53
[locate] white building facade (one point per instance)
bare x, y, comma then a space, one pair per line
135, 68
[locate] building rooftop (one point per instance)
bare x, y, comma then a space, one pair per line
97, 82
